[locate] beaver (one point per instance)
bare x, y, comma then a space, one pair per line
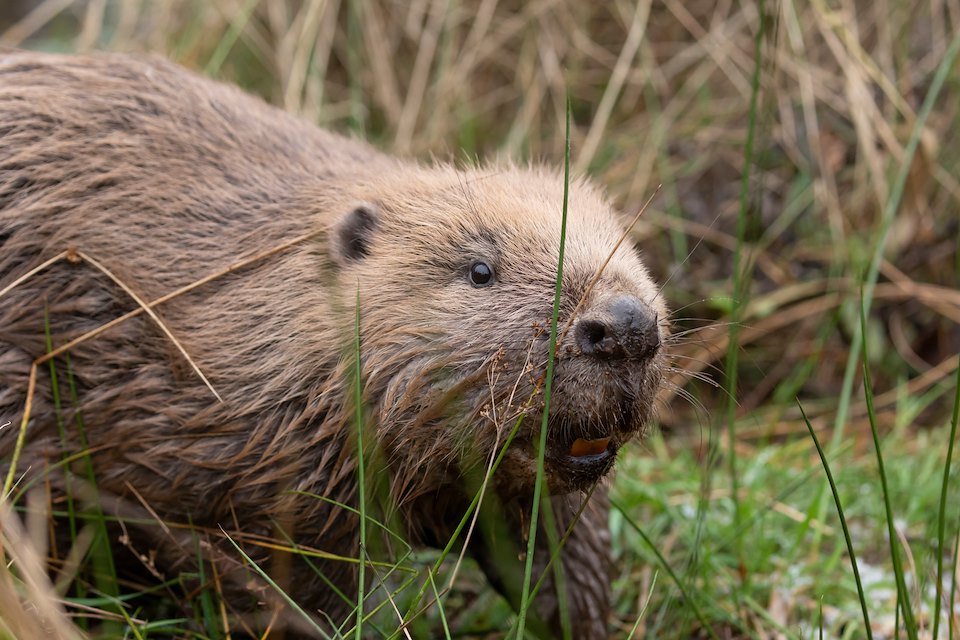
151, 178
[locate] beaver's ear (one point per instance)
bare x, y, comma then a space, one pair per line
353, 233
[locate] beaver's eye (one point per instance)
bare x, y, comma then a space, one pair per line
481, 274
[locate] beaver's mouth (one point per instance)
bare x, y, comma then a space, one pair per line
579, 457
586, 461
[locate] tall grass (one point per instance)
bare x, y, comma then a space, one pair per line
848, 540
942, 517
740, 271
547, 395
361, 467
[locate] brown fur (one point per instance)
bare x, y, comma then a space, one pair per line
165, 177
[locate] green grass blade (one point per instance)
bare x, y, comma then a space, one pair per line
101, 552
741, 281
440, 609
942, 515
230, 38
62, 431
953, 586
375, 522
357, 120
890, 209
889, 212
361, 489
464, 520
820, 616
547, 390
263, 574
896, 615
555, 546
207, 609
646, 604
760, 612
903, 595
18, 446
131, 625
666, 567
843, 522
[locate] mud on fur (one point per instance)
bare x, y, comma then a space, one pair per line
124, 179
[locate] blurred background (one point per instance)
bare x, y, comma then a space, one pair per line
802, 159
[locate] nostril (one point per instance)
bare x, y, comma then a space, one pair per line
596, 338
592, 332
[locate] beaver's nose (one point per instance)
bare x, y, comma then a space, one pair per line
626, 328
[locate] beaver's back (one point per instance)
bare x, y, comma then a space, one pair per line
136, 159
163, 178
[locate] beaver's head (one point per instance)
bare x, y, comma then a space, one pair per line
456, 274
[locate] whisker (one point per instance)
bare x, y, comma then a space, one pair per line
706, 364
673, 312
677, 268
693, 401
695, 375
673, 337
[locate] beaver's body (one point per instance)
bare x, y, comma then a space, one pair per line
163, 178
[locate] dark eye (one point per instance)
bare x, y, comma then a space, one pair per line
481, 274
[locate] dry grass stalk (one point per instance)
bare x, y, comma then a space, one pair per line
29, 605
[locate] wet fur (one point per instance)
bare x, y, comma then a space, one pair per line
166, 177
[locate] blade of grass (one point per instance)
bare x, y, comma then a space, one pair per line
104, 568
555, 546
361, 489
843, 521
230, 38
547, 390
263, 574
375, 522
464, 520
643, 609
952, 617
440, 609
761, 613
132, 625
903, 594
357, 119
381, 581
886, 222
942, 515
890, 209
820, 616
898, 607
62, 431
389, 600
207, 609
666, 567
741, 288
21, 435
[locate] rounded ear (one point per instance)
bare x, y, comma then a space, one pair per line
353, 233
